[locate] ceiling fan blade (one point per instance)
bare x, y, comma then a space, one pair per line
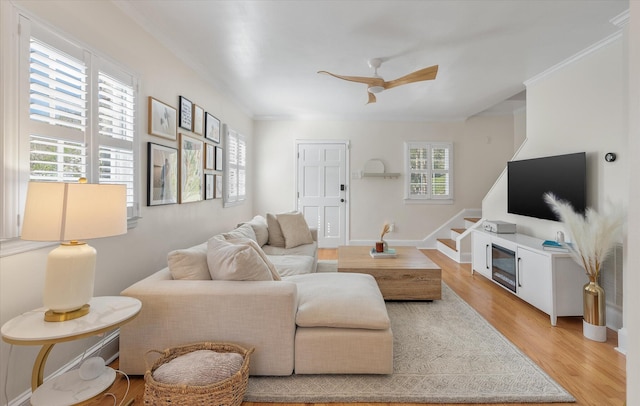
372, 98
359, 79
417, 76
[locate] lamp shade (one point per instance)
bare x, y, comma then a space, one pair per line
58, 211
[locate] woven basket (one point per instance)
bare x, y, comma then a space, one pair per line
227, 392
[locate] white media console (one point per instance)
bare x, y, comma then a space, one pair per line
550, 281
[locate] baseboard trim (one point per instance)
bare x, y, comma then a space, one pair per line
107, 348
622, 341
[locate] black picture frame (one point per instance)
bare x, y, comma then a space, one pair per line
212, 128
186, 113
162, 175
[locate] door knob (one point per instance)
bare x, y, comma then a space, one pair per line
342, 200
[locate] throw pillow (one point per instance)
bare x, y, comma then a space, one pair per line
259, 225
276, 239
189, 263
199, 368
272, 268
294, 229
243, 231
232, 260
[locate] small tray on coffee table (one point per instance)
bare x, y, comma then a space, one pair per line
390, 253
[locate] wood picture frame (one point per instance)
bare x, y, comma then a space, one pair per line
217, 194
219, 159
212, 128
209, 157
198, 119
209, 186
162, 120
162, 175
186, 113
191, 169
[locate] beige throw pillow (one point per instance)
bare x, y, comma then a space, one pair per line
272, 268
233, 260
294, 229
276, 239
259, 225
189, 263
242, 231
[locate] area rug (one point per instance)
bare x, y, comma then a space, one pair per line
444, 352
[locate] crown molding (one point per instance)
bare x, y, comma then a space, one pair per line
585, 52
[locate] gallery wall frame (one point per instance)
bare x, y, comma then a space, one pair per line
185, 109
219, 158
191, 169
217, 194
162, 119
162, 175
198, 119
209, 186
209, 156
212, 128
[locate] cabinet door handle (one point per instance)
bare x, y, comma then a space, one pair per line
486, 255
519, 279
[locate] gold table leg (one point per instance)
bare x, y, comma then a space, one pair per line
37, 376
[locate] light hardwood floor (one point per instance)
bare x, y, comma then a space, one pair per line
594, 373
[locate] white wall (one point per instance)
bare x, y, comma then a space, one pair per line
579, 107
125, 259
482, 146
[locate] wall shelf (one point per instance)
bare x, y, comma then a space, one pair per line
374, 168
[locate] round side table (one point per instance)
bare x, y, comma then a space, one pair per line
105, 313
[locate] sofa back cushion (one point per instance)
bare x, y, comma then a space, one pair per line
260, 228
294, 229
236, 260
189, 263
276, 238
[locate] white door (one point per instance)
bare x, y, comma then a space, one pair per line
322, 189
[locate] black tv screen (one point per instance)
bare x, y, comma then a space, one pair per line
529, 179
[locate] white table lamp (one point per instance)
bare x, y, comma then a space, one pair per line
69, 212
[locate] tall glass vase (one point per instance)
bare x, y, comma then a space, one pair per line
594, 323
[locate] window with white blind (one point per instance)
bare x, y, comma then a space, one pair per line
79, 114
235, 168
429, 172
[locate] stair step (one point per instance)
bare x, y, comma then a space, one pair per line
472, 219
449, 243
459, 230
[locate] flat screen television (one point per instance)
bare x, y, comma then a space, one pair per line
529, 179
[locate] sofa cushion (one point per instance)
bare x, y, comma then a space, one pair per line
236, 260
276, 238
294, 229
189, 263
243, 231
259, 225
309, 250
288, 265
343, 300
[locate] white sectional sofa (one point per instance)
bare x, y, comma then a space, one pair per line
250, 288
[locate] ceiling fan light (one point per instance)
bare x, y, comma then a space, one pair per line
375, 89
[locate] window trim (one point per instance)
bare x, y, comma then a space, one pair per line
430, 199
17, 27
229, 201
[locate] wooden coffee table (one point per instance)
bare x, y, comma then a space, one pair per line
408, 276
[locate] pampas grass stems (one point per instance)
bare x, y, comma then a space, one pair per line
593, 234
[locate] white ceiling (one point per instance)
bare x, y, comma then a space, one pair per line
265, 54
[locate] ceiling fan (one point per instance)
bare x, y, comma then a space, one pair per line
376, 84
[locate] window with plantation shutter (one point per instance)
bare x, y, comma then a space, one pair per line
235, 168
76, 118
429, 171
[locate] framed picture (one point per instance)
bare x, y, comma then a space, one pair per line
191, 172
217, 194
212, 128
209, 156
209, 187
186, 111
162, 119
218, 159
162, 175
198, 119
